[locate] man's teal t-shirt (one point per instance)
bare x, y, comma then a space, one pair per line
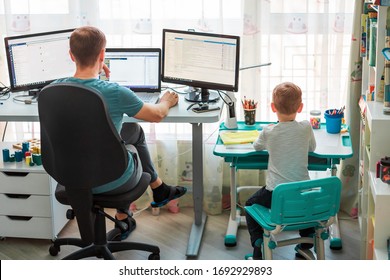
119, 100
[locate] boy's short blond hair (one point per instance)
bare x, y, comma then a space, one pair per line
287, 97
85, 44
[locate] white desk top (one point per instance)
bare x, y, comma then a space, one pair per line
11, 110
179, 113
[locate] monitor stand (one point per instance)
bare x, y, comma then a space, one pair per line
203, 96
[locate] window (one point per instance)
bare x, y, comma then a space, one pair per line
2, 7
39, 7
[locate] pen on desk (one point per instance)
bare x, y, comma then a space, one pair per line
337, 111
248, 104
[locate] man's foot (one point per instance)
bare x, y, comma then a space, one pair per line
131, 225
164, 193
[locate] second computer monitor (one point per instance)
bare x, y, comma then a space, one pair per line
35, 60
135, 68
204, 61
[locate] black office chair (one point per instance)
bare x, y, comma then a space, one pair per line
81, 149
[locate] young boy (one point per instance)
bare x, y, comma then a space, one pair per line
288, 143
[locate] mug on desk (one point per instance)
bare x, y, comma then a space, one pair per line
249, 106
333, 119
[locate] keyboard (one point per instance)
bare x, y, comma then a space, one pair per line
149, 97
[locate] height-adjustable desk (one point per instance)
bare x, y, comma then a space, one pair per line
331, 148
180, 114
15, 111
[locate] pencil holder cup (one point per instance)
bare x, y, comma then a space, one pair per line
333, 121
249, 116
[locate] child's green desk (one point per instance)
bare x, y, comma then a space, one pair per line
331, 148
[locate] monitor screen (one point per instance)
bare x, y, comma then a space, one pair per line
35, 60
203, 61
136, 68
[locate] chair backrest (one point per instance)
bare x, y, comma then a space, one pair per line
80, 146
306, 201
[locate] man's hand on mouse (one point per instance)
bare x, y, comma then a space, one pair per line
171, 97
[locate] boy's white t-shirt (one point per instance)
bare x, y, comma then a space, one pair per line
288, 145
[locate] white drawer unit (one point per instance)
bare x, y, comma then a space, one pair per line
28, 207
27, 182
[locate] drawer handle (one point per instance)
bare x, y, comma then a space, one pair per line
15, 195
15, 174
19, 218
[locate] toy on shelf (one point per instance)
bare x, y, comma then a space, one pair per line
33, 144
29, 151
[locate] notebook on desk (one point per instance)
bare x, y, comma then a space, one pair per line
136, 68
238, 137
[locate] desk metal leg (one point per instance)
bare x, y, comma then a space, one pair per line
200, 217
334, 229
235, 219
235, 214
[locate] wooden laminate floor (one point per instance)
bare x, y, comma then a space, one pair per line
170, 232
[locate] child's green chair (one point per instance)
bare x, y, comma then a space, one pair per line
295, 206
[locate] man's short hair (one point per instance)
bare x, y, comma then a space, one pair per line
287, 97
86, 43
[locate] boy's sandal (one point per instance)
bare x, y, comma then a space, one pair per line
172, 195
251, 258
303, 254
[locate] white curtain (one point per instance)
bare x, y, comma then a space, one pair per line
306, 42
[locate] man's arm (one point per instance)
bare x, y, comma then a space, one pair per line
106, 70
157, 112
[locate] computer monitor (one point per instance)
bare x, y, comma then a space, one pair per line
136, 68
204, 61
35, 60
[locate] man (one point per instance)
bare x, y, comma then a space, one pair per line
87, 50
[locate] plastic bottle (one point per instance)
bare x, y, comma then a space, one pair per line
315, 119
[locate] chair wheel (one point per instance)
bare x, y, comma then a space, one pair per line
154, 257
53, 250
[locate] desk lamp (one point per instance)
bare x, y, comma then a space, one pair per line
231, 119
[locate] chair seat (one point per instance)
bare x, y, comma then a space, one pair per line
106, 201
